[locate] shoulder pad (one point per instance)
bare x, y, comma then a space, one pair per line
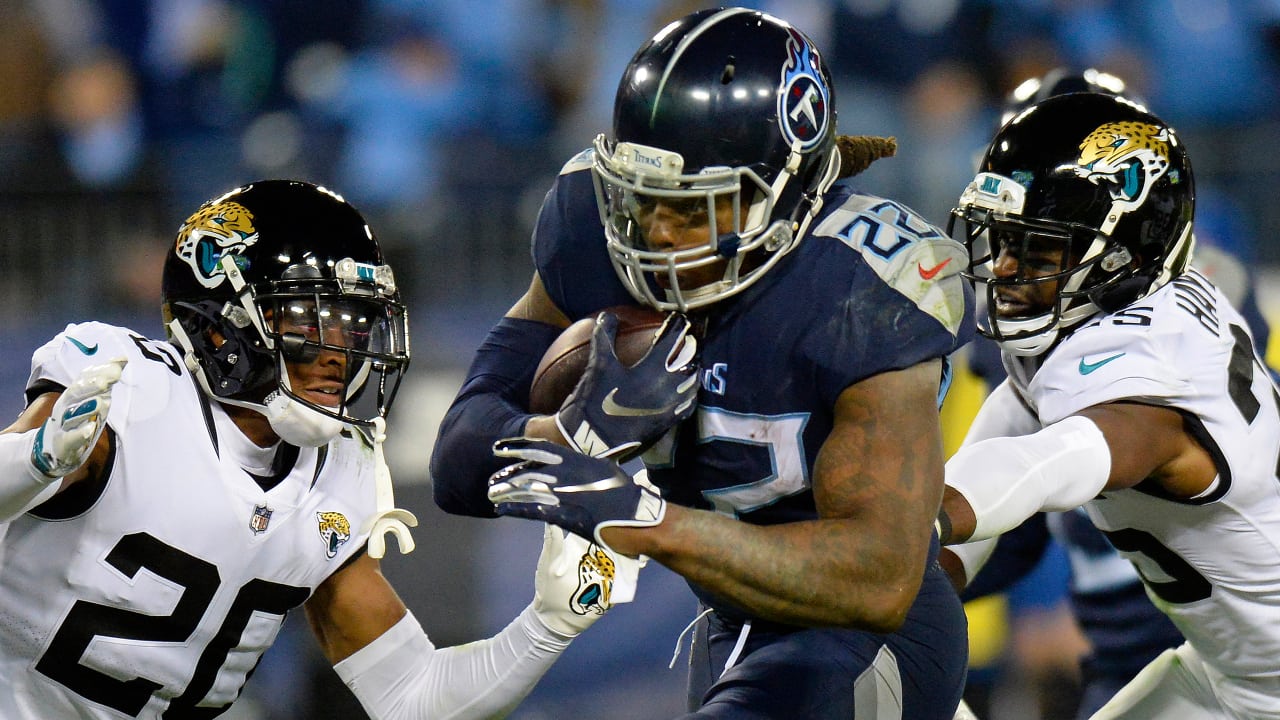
909, 254
581, 161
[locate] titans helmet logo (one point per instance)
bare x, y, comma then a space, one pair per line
335, 531
215, 230
595, 582
1127, 158
804, 104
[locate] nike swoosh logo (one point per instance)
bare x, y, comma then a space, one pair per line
1088, 367
933, 271
82, 347
611, 407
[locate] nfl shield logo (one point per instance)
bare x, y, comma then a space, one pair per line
261, 517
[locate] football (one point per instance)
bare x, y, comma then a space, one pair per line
565, 361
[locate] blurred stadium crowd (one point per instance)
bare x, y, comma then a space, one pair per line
444, 121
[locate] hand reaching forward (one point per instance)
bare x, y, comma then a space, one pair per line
577, 492
617, 410
76, 422
578, 581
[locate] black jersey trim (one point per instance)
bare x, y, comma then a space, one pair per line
1195, 427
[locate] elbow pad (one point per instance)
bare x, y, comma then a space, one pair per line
1008, 479
490, 406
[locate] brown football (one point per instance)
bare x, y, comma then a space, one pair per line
565, 361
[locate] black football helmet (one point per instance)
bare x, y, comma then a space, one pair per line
1061, 81
723, 103
283, 270
1091, 183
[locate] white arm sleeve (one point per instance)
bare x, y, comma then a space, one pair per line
21, 486
402, 676
973, 555
1008, 479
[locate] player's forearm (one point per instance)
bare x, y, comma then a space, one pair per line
402, 676
996, 484
490, 406
21, 487
813, 573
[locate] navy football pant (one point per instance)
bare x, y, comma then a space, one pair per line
782, 671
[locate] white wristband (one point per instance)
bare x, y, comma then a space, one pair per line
1008, 479
22, 487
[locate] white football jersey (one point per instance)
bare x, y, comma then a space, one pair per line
1211, 563
156, 593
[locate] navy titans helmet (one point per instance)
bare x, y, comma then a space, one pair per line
725, 104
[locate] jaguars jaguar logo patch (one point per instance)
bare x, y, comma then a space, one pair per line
215, 230
335, 531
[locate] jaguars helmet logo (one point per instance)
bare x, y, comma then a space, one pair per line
215, 230
335, 531
1127, 158
595, 582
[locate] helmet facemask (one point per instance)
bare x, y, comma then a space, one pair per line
631, 179
350, 323
1064, 272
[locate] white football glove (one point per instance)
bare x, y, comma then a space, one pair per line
578, 581
78, 418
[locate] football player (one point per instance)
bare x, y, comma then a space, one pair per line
1134, 390
799, 457
1124, 629
166, 503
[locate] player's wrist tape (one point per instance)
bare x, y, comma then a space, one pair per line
22, 485
1059, 468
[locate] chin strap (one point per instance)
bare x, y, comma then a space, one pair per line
388, 518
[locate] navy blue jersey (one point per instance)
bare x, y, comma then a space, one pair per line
873, 288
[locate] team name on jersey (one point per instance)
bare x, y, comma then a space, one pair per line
714, 378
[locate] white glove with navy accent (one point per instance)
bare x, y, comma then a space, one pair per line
78, 418
578, 581
617, 410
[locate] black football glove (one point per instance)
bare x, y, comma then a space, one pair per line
617, 410
577, 492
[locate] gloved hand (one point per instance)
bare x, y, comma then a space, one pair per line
577, 492
578, 581
617, 410
78, 418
